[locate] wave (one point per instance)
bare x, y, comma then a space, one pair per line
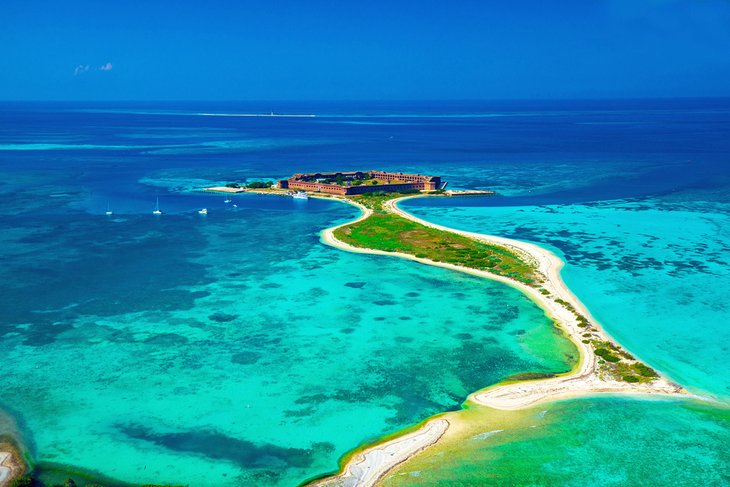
203, 147
237, 145
267, 115
40, 147
197, 114
484, 436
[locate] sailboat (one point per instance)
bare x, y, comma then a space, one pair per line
157, 208
108, 210
227, 200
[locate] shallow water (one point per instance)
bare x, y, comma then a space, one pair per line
655, 272
597, 441
236, 347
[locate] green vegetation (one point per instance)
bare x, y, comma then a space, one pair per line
643, 370
634, 372
582, 320
621, 365
392, 233
233, 185
606, 355
259, 185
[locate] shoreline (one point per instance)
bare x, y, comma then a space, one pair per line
371, 464
11, 463
583, 380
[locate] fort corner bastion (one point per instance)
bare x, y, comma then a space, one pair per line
359, 182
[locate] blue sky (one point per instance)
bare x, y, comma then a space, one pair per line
320, 49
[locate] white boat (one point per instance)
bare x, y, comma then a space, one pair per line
204, 211
108, 211
157, 208
227, 200
300, 195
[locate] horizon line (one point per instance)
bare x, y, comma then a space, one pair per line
371, 100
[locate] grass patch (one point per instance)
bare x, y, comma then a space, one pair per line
392, 233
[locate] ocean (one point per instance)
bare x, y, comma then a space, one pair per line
236, 348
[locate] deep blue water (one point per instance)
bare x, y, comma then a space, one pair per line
239, 346
543, 152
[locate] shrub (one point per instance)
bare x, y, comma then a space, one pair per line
606, 355
233, 185
630, 378
258, 184
626, 355
644, 370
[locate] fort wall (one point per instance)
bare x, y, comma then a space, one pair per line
394, 182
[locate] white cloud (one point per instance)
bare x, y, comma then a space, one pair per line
85, 68
81, 68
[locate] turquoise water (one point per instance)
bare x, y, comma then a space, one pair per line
614, 442
236, 348
655, 271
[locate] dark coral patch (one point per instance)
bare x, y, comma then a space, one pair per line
222, 317
218, 446
245, 358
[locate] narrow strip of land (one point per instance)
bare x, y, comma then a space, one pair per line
587, 378
370, 465
604, 366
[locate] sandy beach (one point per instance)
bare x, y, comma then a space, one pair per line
10, 465
4, 471
370, 465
